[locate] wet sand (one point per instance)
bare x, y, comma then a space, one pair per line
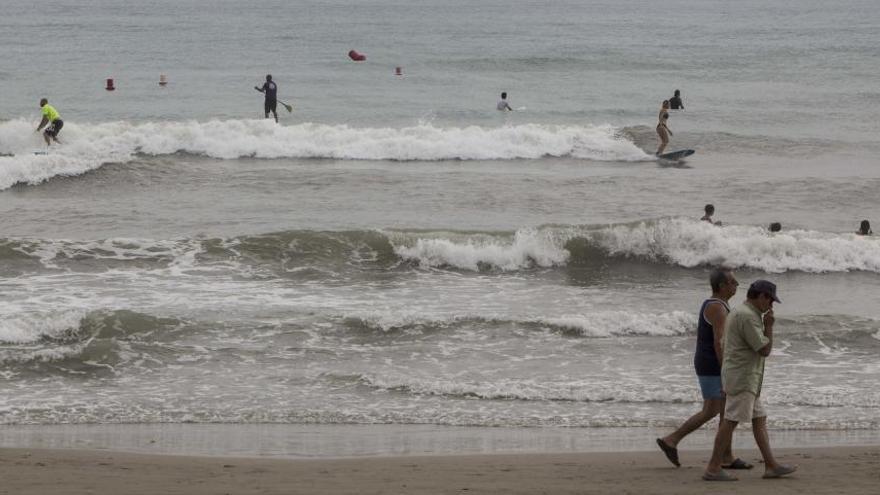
851, 470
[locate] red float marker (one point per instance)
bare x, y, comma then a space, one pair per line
110, 86
357, 57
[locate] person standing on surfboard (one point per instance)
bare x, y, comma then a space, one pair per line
662, 130
270, 89
51, 117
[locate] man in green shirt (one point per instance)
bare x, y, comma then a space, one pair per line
51, 117
748, 340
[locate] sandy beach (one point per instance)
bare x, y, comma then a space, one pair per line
851, 470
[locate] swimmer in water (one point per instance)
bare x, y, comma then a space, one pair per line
675, 102
503, 106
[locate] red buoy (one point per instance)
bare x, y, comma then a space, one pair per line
357, 57
110, 84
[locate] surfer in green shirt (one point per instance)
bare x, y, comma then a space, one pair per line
53, 119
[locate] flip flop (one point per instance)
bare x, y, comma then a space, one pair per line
671, 452
719, 476
737, 464
780, 471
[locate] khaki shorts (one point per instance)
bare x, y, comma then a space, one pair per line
743, 407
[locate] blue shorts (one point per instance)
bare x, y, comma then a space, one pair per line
710, 385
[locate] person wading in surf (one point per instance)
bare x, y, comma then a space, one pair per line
675, 102
503, 105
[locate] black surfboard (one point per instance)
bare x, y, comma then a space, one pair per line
676, 155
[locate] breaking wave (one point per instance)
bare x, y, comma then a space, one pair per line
89, 146
674, 241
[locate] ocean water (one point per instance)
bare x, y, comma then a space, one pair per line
398, 252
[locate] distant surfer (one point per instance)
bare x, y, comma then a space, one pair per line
865, 228
53, 119
675, 102
270, 89
662, 129
503, 106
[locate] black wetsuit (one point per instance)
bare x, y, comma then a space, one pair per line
675, 103
271, 91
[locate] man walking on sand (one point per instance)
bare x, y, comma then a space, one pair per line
707, 364
748, 340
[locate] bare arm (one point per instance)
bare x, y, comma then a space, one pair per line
768, 332
716, 315
42, 123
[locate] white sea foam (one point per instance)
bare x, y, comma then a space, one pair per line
683, 242
527, 247
27, 327
89, 146
692, 243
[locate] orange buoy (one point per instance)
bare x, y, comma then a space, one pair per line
110, 86
357, 57
162, 80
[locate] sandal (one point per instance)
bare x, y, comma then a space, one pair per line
780, 471
737, 464
719, 476
671, 452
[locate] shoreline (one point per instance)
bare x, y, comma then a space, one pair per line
851, 470
328, 441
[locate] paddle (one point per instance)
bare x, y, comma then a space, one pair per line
287, 107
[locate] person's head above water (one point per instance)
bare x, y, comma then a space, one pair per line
504, 95
268, 77
43, 101
864, 228
775, 227
665, 104
709, 209
677, 93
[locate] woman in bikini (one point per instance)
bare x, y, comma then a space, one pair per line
662, 130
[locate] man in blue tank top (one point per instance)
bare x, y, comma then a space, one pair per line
707, 363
